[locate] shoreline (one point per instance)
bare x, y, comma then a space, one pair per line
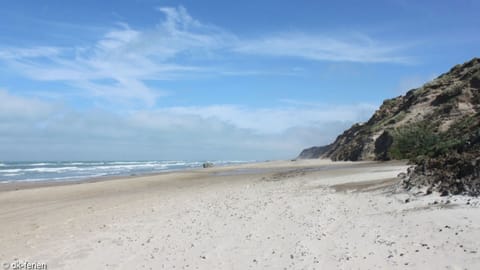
271, 215
94, 177
26, 184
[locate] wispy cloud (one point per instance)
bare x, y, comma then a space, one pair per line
126, 57
26, 53
318, 47
123, 56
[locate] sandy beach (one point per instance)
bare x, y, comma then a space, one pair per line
276, 215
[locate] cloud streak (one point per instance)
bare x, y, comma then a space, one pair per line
348, 48
127, 57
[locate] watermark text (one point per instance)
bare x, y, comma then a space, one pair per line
24, 265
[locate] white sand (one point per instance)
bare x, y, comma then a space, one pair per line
277, 215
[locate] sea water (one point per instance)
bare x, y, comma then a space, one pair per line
78, 170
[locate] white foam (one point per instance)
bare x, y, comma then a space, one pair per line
39, 164
127, 167
84, 163
65, 178
12, 174
10, 170
46, 169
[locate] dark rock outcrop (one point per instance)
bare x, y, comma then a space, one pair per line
382, 145
451, 174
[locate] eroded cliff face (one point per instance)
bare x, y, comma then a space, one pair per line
441, 103
436, 127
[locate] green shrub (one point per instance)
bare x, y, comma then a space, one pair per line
414, 141
421, 140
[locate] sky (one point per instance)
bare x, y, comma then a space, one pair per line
206, 80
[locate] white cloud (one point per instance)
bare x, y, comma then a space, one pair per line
118, 38
276, 120
32, 127
128, 57
34, 52
17, 108
318, 47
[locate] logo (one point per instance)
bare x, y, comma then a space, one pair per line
23, 265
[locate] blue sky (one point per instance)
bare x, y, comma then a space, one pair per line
83, 80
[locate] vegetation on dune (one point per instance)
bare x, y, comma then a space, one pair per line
445, 161
421, 140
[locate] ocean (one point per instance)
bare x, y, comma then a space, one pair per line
82, 170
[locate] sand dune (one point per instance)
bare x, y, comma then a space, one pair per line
276, 215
